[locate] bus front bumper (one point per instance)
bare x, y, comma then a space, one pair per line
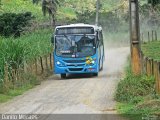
84, 69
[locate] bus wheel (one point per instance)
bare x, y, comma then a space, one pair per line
95, 74
63, 76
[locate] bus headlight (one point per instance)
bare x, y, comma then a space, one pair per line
93, 62
59, 63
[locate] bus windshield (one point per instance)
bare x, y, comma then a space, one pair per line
75, 45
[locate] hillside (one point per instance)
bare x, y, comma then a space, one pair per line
18, 6
68, 11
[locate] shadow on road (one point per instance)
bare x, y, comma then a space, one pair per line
73, 76
79, 76
76, 76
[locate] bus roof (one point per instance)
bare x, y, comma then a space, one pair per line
80, 25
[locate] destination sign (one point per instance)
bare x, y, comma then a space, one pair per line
75, 30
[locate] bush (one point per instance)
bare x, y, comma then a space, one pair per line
12, 24
133, 88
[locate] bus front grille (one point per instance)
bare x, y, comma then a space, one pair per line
75, 64
74, 61
75, 69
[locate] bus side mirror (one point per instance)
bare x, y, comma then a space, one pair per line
52, 40
97, 36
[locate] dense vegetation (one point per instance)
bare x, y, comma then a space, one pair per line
14, 52
133, 88
153, 2
136, 96
12, 24
152, 50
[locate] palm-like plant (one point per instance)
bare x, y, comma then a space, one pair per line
49, 7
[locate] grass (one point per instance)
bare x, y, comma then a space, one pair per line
14, 52
4, 98
12, 93
132, 88
18, 6
152, 50
29, 81
33, 44
37, 43
136, 96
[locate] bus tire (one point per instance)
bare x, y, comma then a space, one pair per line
63, 76
95, 74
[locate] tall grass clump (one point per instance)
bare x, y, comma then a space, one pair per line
15, 52
37, 43
133, 88
136, 96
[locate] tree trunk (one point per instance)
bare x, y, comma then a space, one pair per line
135, 38
53, 21
41, 62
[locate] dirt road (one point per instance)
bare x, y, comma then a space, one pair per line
77, 94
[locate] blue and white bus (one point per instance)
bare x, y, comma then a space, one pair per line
78, 48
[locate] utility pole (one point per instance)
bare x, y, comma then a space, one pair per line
97, 12
135, 37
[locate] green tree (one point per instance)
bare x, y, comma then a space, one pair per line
0, 3
154, 2
49, 7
